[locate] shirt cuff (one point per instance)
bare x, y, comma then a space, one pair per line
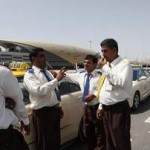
26, 121
106, 69
95, 93
100, 107
60, 104
53, 83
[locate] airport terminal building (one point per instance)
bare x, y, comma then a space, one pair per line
57, 55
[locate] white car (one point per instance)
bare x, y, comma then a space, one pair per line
141, 86
72, 122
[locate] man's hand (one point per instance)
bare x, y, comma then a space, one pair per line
99, 114
89, 97
25, 128
61, 74
10, 103
61, 113
102, 62
54, 73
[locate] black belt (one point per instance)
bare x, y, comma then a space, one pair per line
48, 107
4, 131
92, 106
114, 105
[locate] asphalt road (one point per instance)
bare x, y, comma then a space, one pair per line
140, 129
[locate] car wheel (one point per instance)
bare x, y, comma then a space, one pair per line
81, 133
136, 101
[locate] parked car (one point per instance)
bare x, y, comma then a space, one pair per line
141, 86
147, 68
72, 123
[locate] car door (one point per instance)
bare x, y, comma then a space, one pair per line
73, 109
147, 74
143, 84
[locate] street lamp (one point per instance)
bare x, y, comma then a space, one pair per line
90, 45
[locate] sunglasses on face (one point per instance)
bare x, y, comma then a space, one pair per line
41, 55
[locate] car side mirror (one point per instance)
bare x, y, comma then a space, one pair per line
143, 78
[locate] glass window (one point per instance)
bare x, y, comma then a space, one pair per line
74, 87
142, 73
147, 73
20, 79
13, 51
25, 93
26, 96
135, 75
64, 88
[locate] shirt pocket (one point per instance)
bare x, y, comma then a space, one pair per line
108, 86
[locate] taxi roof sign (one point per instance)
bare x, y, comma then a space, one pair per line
19, 66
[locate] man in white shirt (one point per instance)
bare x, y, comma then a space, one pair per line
116, 89
88, 81
12, 110
44, 97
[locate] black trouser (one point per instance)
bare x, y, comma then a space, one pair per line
117, 126
95, 135
12, 139
47, 124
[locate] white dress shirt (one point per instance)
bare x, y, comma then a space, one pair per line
9, 87
118, 82
80, 78
41, 92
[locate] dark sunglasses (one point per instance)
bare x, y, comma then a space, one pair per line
41, 55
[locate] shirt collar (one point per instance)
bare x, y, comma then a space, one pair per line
115, 61
36, 69
93, 73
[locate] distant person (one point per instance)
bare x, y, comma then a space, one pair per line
12, 110
88, 81
113, 97
6, 64
45, 101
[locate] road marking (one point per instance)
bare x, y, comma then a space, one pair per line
147, 120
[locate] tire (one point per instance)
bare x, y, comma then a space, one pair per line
136, 101
81, 132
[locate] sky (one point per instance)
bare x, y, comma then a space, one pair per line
82, 23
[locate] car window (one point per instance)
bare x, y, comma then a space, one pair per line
64, 88
135, 76
67, 87
147, 73
74, 87
142, 73
25, 93
20, 79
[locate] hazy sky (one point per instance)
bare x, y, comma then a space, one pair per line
76, 22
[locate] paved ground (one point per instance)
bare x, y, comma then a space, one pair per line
140, 129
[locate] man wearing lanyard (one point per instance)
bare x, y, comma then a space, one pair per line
44, 97
116, 89
88, 81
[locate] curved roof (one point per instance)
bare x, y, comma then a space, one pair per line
72, 54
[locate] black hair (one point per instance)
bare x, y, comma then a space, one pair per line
111, 43
34, 52
91, 57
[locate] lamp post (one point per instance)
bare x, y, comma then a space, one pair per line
90, 45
